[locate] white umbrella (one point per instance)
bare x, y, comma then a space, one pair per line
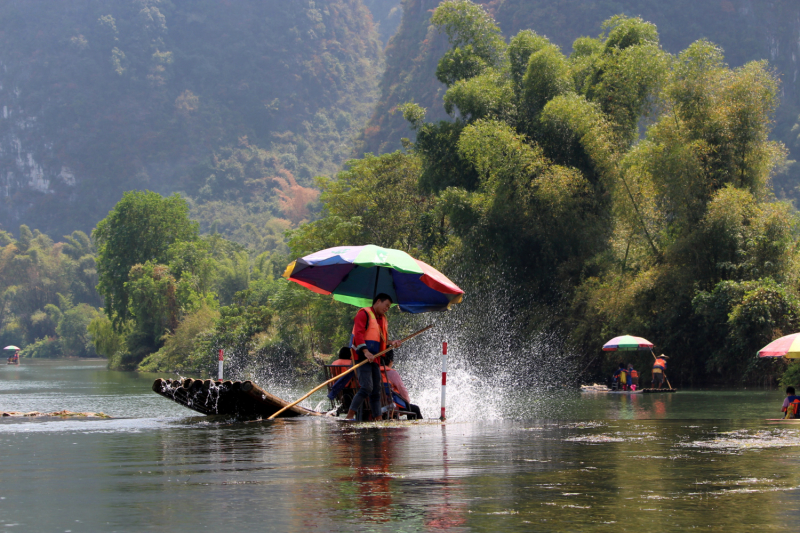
12, 347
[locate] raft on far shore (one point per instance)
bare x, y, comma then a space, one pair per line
604, 389
242, 399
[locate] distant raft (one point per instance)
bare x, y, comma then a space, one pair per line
243, 399
604, 389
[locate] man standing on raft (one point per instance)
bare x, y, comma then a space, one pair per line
370, 334
659, 367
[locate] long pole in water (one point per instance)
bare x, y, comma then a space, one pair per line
334, 378
221, 357
444, 377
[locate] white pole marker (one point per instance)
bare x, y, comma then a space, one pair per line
444, 376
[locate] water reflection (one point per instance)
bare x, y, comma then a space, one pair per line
607, 463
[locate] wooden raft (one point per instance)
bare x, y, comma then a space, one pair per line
242, 399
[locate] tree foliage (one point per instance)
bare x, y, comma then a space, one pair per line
542, 170
140, 228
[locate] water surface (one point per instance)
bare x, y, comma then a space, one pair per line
695, 459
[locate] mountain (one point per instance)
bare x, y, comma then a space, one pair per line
746, 30
102, 96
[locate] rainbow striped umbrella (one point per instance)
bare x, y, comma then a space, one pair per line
627, 343
788, 347
356, 274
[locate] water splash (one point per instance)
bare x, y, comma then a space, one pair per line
499, 367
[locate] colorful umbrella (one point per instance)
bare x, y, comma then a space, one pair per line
356, 274
12, 347
788, 347
627, 343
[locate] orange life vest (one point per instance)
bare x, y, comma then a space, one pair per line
660, 365
375, 332
635, 374
792, 409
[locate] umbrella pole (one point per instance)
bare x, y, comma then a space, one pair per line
315, 389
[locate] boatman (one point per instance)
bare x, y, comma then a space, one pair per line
659, 367
370, 334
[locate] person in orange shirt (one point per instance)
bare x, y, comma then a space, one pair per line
370, 337
659, 368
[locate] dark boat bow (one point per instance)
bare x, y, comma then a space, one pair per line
243, 399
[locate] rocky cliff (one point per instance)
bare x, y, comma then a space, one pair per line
102, 96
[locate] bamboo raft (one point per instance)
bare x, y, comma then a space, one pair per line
242, 399
604, 389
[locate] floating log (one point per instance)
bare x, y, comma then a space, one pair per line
62, 414
242, 399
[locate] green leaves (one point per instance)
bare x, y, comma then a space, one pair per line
740, 318
40, 282
475, 39
375, 200
547, 76
140, 228
484, 95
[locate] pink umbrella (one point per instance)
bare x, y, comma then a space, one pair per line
787, 346
627, 343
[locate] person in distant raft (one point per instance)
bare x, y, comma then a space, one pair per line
370, 334
659, 367
791, 404
633, 377
618, 378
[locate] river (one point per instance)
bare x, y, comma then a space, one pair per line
695, 459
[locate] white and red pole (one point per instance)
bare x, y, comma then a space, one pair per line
221, 357
444, 376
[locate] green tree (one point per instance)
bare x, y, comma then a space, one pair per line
375, 200
140, 228
73, 331
183, 350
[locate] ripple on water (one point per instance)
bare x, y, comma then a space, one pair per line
582, 425
745, 439
595, 439
118, 425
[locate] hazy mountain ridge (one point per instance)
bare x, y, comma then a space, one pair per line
102, 96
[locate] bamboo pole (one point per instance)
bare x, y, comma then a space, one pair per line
315, 389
